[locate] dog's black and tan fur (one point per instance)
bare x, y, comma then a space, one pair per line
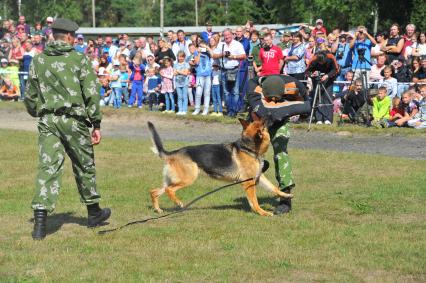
232, 162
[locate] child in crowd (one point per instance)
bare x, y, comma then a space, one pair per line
105, 92
138, 70
389, 82
397, 111
13, 70
217, 102
381, 106
124, 78
153, 84
409, 108
181, 72
420, 121
115, 85
166, 74
9, 91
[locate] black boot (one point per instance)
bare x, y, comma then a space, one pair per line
285, 203
96, 215
39, 232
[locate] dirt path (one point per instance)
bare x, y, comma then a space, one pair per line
134, 126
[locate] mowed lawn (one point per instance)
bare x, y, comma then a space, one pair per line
356, 218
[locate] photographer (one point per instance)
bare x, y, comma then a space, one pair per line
361, 46
229, 54
271, 57
323, 69
276, 98
343, 54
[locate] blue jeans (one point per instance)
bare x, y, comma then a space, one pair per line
125, 93
231, 94
137, 88
170, 101
117, 97
217, 102
182, 97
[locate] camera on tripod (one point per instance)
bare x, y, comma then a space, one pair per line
317, 75
339, 55
361, 53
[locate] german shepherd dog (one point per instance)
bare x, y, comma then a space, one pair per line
237, 161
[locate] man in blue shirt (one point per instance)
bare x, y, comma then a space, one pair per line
362, 43
80, 46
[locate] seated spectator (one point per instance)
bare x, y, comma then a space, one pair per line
9, 91
353, 101
408, 110
396, 112
105, 93
402, 74
389, 82
38, 43
421, 45
376, 69
420, 122
381, 107
419, 76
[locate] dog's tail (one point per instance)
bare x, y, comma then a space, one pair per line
156, 141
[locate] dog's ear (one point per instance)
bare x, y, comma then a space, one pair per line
254, 116
244, 123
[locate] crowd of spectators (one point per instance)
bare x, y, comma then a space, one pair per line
210, 71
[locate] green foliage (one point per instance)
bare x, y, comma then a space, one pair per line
418, 15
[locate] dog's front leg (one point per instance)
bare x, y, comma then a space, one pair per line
267, 185
250, 188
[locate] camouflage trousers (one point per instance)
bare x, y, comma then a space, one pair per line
279, 140
59, 135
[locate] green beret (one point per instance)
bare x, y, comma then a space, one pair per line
64, 25
273, 86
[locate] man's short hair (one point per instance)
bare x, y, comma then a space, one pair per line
267, 34
383, 88
180, 31
411, 26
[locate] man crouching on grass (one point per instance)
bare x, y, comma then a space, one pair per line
62, 92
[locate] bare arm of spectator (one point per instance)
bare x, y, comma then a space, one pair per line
397, 48
335, 46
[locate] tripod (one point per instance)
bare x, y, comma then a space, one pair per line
320, 90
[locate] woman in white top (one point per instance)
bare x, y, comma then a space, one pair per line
421, 45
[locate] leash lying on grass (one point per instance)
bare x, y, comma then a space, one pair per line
175, 212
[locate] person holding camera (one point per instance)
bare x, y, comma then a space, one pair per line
323, 69
361, 46
230, 53
343, 54
271, 57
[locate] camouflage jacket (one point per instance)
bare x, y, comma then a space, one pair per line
62, 81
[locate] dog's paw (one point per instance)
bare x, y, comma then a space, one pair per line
284, 195
158, 210
265, 213
179, 204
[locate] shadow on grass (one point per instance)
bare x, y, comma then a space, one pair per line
55, 221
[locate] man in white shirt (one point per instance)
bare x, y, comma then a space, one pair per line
229, 54
182, 44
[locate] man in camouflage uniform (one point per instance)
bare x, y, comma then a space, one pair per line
62, 92
267, 100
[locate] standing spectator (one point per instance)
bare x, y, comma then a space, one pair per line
38, 29
182, 44
13, 70
310, 49
275, 37
92, 48
394, 44
163, 51
381, 39
254, 51
421, 45
230, 53
410, 32
124, 79
21, 21
122, 49
47, 31
402, 74
343, 54
135, 49
271, 57
166, 73
80, 46
239, 36
151, 64
203, 69
181, 75
217, 102
38, 43
138, 70
170, 36
206, 35
115, 84
319, 28
362, 43
17, 51
296, 58
26, 61
110, 48
144, 45
285, 41
100, 44
153, 84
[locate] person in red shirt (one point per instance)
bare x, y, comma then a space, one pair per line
319, 28
271, 57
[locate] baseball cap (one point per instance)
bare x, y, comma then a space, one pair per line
116, 63
273, 86
286, 33
4, 60
150, 55
80, 36
319, 21
49, 20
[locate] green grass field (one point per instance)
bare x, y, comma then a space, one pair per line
356, 218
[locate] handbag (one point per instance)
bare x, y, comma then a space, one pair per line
231, 75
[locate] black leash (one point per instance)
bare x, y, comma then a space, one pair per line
174, 212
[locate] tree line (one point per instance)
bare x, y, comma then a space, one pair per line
142, 13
